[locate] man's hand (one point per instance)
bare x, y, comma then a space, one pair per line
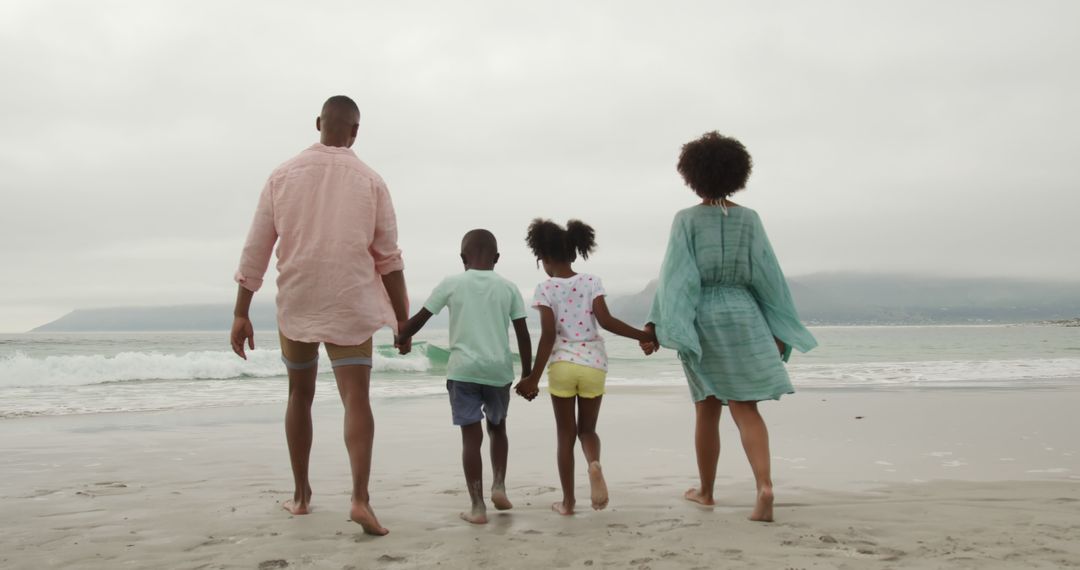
528, 388
241, 331
403, 344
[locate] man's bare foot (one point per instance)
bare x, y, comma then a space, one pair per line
500, 500
563, 507
598, 486
478, 515
763, 510
362, 514
299, 505
695, 495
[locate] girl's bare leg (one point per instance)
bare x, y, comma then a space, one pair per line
588, 412
707, 446
755, 441
566, 433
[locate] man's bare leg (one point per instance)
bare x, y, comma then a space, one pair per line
500, 449
472, 438
353, 383
298, 434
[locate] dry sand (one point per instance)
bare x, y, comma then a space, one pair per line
931, 479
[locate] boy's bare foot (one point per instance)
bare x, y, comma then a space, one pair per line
362, 514
500, 500
763, 510
563, 507
695, 495
478, 515
598, 486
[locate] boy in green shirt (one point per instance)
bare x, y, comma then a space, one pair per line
482, 306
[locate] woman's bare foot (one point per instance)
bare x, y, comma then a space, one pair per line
763, 508
362, 514
478, 515
696, 496
563, 507
299, 505
598, 486
500, 500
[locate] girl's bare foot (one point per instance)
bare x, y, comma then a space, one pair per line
362, 514
598, 486
478, 515
563, 507
763, 508
696, 496
500, 500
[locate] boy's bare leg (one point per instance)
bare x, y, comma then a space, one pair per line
588, 412
500, 448
566, 433
755, 440
298, 435
472, 438
707, 446
353, 382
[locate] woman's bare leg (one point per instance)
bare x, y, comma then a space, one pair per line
707, 446
755, 441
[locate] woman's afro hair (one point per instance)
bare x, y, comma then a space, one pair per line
715, 166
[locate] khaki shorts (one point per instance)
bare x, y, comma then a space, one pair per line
303, 355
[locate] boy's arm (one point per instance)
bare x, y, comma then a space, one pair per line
409, 328
528, 388
611, 324
521, 330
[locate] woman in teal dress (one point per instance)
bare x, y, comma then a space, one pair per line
724, 305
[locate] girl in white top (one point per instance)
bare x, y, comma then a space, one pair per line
572, 309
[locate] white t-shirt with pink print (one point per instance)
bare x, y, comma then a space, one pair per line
577, 336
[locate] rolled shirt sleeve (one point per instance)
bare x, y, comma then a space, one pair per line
384, 247
260, 242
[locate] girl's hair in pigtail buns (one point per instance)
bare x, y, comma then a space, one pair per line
581, 238
549, 240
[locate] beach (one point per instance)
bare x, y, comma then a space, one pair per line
970, 478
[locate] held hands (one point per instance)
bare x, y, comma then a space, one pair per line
651, 344
403, 344
528, 388
241, 331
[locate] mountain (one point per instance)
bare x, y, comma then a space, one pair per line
822, 299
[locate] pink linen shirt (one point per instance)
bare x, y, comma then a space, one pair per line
334, 224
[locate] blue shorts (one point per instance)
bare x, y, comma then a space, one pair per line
471, 402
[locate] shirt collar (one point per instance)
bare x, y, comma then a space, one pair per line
331, 149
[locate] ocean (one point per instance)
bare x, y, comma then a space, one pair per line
84, 373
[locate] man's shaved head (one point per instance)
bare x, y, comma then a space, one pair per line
339, 121
479, 249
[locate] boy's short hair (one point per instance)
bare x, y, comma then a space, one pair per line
479, 243
715, 166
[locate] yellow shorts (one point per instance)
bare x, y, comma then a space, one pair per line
566, 380
303, 355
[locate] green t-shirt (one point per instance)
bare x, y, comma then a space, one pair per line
482, 304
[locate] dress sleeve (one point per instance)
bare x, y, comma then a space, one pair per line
678, 292
260, 242
770, 289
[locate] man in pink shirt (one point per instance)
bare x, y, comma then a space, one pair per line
340, 279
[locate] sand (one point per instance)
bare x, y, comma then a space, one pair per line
925, 479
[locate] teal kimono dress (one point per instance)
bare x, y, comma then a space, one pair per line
720, 301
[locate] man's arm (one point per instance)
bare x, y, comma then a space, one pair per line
399, 297
521, 329
241, 327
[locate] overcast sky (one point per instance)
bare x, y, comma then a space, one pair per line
931, 137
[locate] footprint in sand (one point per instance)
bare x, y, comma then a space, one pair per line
271, 564
392, 558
